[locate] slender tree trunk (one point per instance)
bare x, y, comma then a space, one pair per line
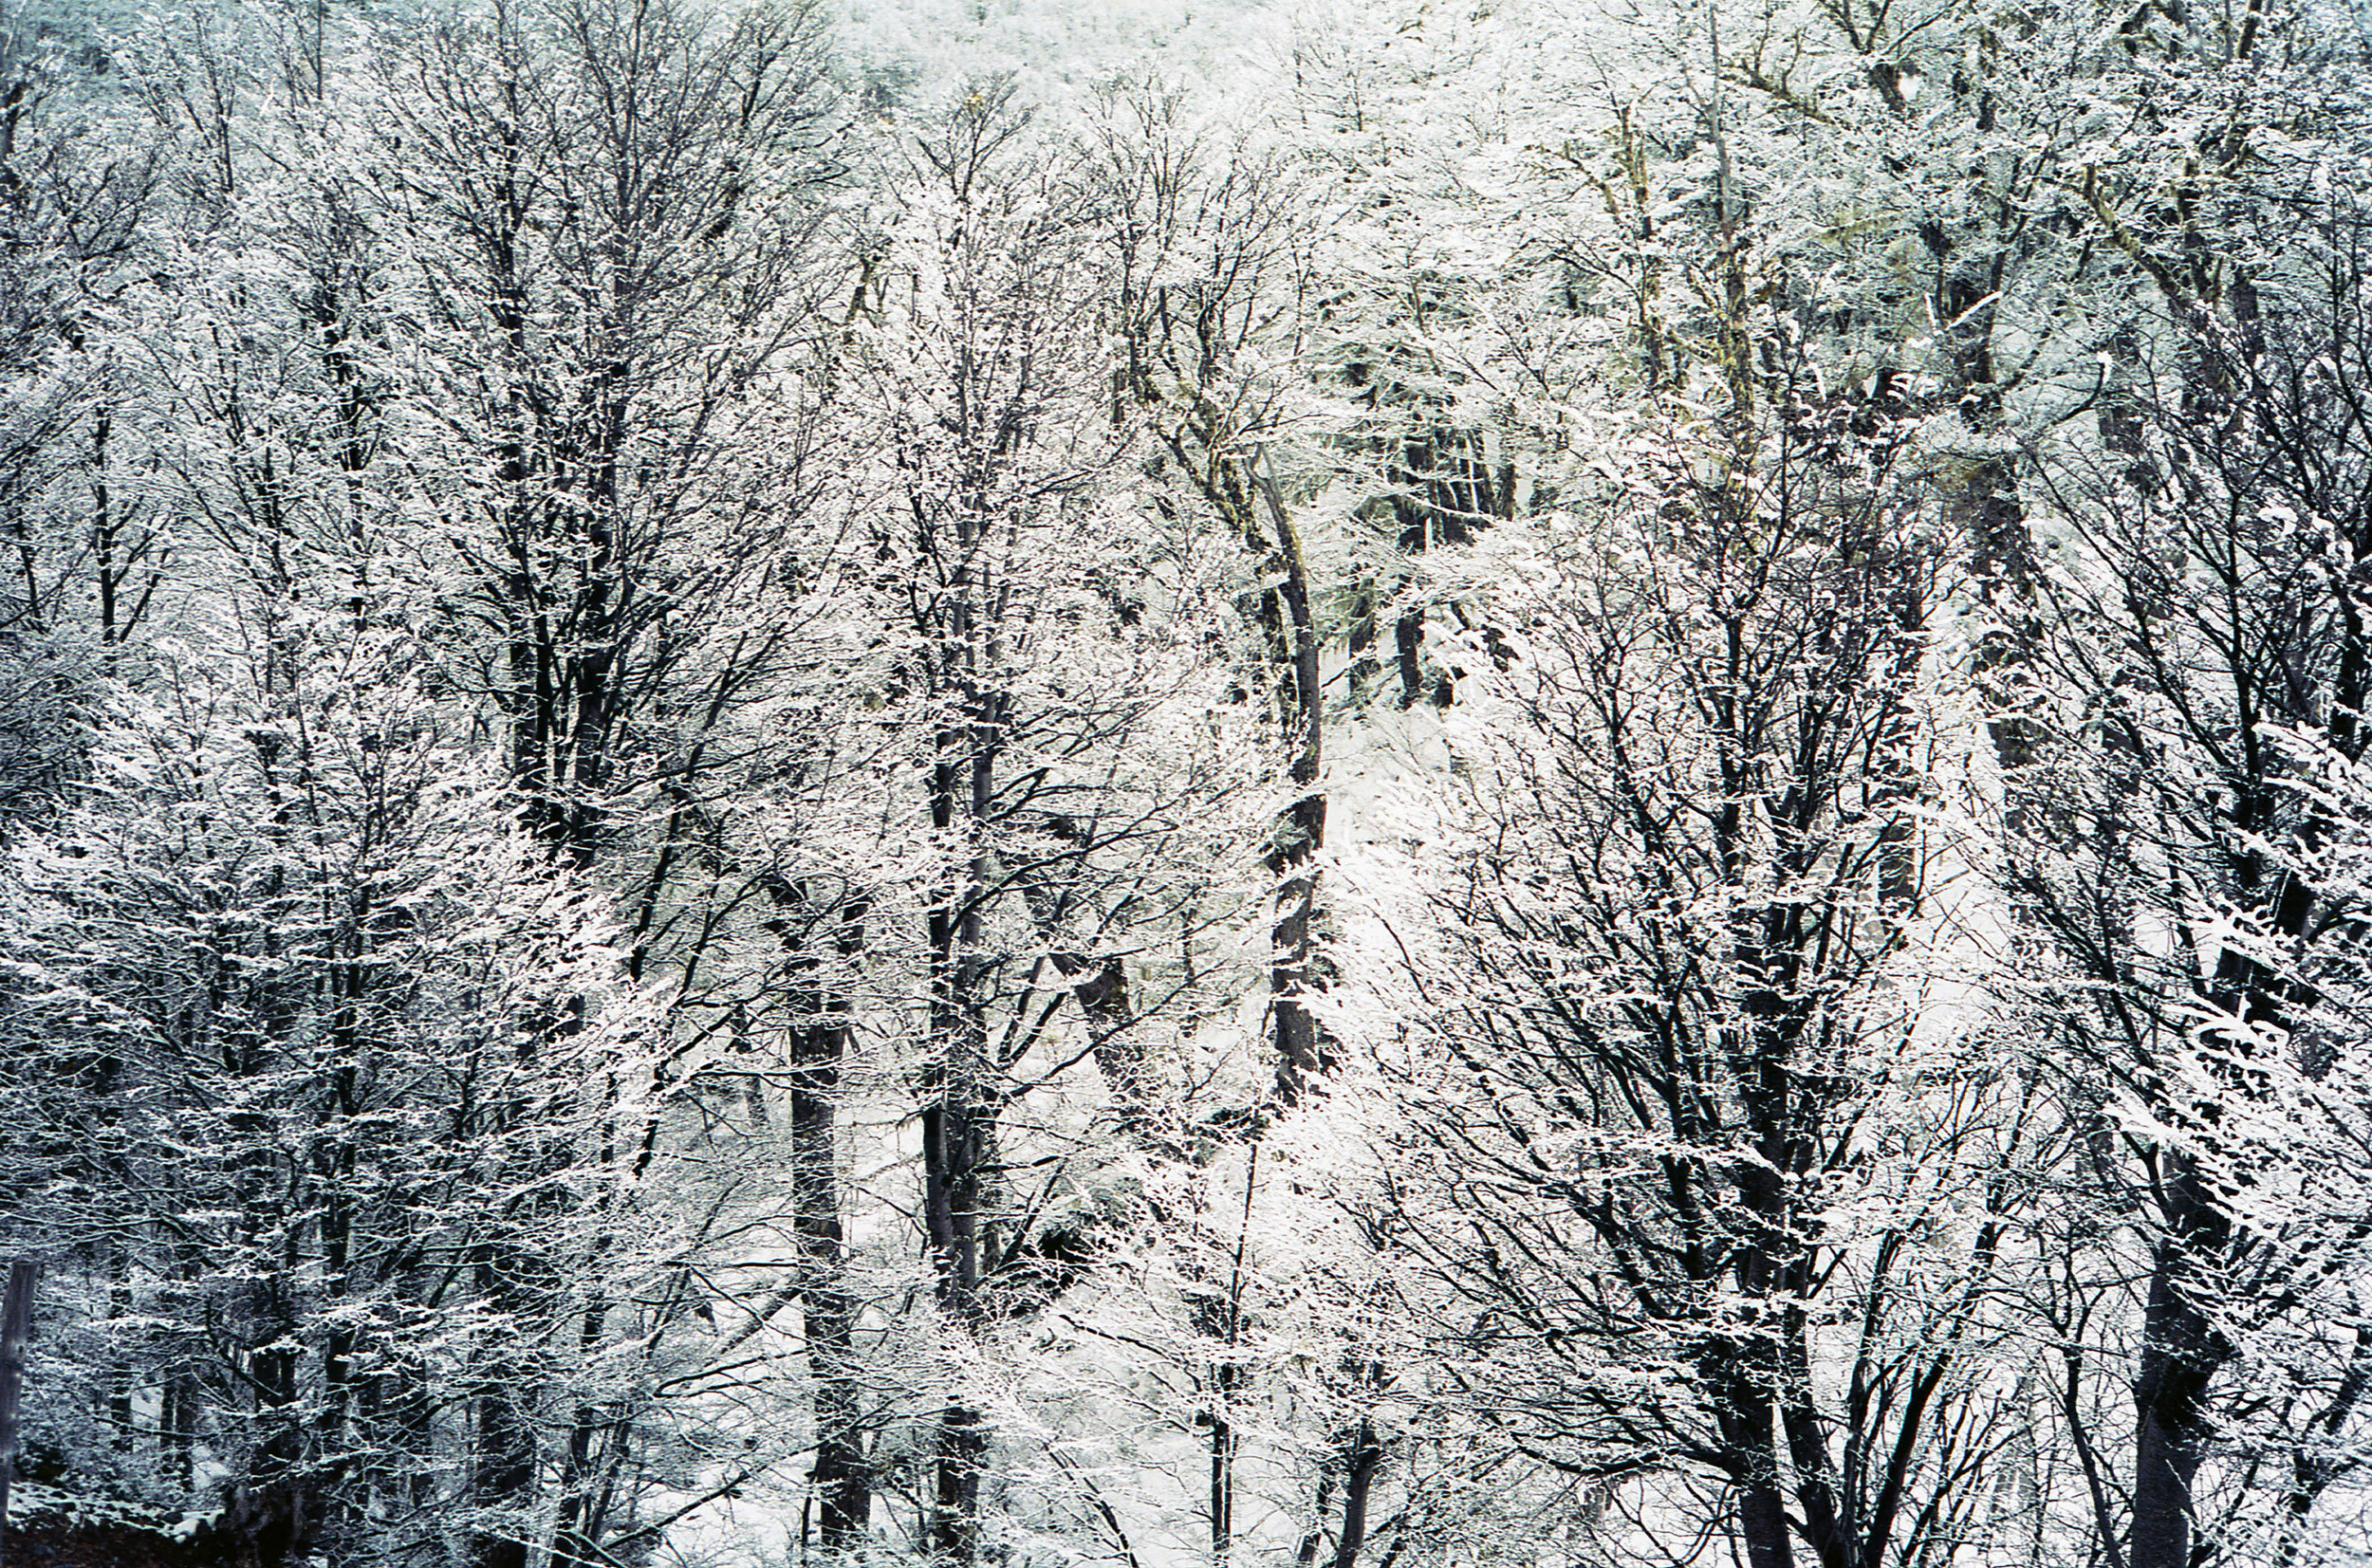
1362, 1456
502, 1476
1221, 1317
1301, 829
578, 1528
120, 1375
955, 1160
1220, 1505
1744, 1423
2181, 1352
958, 1113
16, 1327
842, 1478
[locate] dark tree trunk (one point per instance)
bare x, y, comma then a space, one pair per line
1301, 830
503, 1475
16, 1327
2181, 1352
958, 1114
842, 1477
1362, 1456
1745, 1428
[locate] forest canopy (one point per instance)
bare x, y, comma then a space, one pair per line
1568, 783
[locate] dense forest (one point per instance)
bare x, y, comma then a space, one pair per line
1394, 784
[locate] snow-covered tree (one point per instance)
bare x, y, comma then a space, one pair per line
1709, 1199
2182, 854
302, 1033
